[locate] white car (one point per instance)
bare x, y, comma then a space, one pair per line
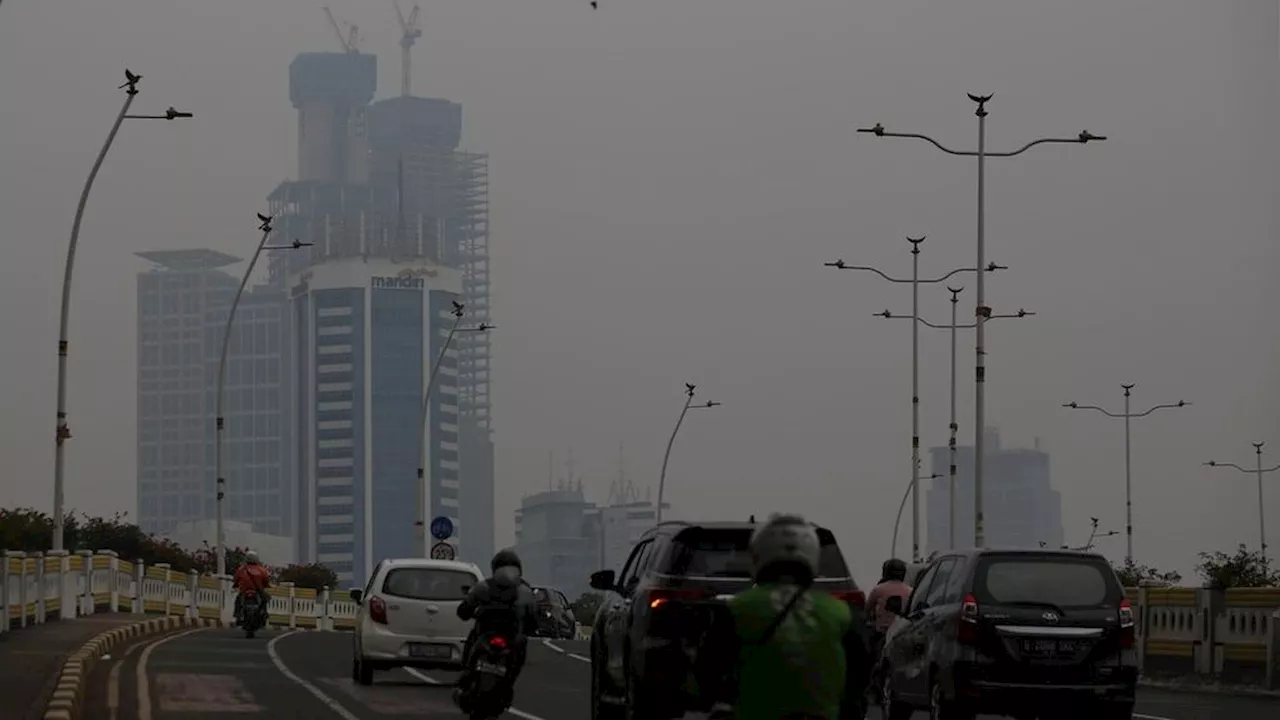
408, 616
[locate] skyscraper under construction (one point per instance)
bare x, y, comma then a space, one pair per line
398, 215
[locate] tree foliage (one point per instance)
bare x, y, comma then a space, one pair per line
1133, 574
1245, 569
314, 576
585, 607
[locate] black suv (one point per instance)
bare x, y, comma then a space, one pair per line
555, 616
1021, 633
655, 609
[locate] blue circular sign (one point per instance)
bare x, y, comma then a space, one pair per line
442, 528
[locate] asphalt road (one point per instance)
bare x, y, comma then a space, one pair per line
201, 674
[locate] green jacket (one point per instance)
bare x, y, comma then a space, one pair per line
802, 669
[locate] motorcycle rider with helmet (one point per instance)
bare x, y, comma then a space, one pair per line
893, 574
784, 649
503, 604
251, 581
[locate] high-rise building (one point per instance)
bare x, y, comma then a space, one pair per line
398, 218
1020, 509
183, 302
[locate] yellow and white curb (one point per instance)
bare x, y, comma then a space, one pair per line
64, 704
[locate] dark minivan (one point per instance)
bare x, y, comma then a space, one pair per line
653, 611
1021, 633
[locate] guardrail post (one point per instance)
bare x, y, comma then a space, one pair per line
167, 593
139, 587
323, 621
289, 604
86, 589
4, 592
1144, 622
66, 588
40, 593
193, 594
22, 588
113, 579
227, 598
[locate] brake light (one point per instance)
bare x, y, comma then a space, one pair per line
856, 598
967, 633
497, 642
1127, 625
658, 598
378, 610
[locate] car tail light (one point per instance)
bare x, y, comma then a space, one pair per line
378, 610
1127, 626
658, 598
968, 630
856, 598
497, 642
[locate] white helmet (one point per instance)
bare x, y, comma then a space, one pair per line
251, 557
785, 539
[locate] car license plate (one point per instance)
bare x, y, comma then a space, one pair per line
1049, 648
492, 668
430, 651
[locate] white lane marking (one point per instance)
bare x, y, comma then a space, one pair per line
113, 681
432, 681
144, 689
553, 646
1140, 716
329, 702
583, 658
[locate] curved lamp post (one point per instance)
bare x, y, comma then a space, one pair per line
915, 282
1258, 471
981, 311
423, 496
63, 433
690, 388
219, 423
1127, 416
911, 487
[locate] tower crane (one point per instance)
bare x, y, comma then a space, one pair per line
410, 32
351, 40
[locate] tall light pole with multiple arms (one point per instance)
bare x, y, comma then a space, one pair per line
424, 414
1127, 415
981, 311
689, 390
62, 431
1258, 471
915, 281
220, 537
954, 425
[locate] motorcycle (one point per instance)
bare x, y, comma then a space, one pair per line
253, 613
486, 690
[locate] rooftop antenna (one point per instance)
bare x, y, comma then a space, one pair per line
351, 40
410, 32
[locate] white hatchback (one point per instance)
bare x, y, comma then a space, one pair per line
408, 616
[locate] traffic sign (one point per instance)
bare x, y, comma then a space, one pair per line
443, 551
442, 528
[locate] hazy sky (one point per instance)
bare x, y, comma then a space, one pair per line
667, 179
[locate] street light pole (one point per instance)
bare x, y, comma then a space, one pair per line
911, 487
915, 282
1128, 415
981, 311
1258, 471
689, 389
951, 441
220, 537
423, 416
62, 432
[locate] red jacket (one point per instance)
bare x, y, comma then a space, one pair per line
251, 579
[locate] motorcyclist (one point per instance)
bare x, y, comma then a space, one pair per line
252, 579
787, 651
892, 584
503, 603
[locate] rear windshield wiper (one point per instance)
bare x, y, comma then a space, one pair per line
1035, 604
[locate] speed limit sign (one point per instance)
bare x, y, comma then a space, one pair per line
443, 551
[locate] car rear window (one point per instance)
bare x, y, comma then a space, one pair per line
1060, 581
428, 584
724, 553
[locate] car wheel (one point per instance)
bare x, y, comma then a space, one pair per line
600, 710
1117, 711
890, 707
363, 671
940, 708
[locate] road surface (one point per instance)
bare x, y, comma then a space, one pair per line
306, 675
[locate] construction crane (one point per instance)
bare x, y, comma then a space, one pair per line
410, 34
350, 40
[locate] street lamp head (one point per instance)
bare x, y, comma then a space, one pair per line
992, 267
711, 404
877, 130
1085, 136
1071, 405
1211, 463
980, 99
457, 309
689, 388
1183, 403
1258, 446
1024, 313
172, 114
884, 314
297, 244
838, 264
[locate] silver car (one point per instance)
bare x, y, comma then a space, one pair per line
408, 616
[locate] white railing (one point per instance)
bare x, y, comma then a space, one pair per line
37, 587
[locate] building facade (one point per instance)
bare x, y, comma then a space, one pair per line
183, 301
1021, 508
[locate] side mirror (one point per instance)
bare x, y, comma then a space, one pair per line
466, 589
603, 580
356, 594
894, 605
